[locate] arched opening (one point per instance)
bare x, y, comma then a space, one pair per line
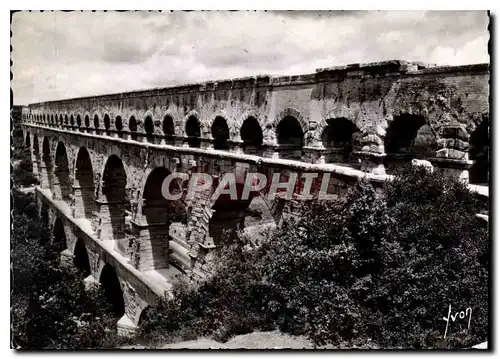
230, 216
27, 140
479, 148
145, 316
114, 181
107, 123
78, 121
60, 120
62, 183
87, 121
43, 118
72, 121
408, 137
52, 121
132, 127
251, 135
149, 129
44, 219
220, 134
112, 290
337, 140
168, 129
59, 237
96, 122
193, 132
83, 185
290, 138
119, 126
46, 172
159, 213
66, 120
81, 258
36, 155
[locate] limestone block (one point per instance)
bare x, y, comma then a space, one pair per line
452, 153
455, 132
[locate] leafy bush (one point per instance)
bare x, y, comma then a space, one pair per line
375, 266
228, 303
50, 308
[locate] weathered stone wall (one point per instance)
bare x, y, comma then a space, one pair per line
443, 104
145, 244
368, 95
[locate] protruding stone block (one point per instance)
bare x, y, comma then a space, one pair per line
126, 327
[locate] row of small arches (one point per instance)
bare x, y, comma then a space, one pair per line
290, 133
340, 134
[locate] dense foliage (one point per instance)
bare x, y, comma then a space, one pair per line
376, 268
50, 308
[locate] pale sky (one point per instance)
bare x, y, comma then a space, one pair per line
59, 55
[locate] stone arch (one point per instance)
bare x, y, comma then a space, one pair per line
291, 137
114, 192
479, 152
66, 119
27, 140
408, 136
83, 184
159, 212
116, 163
113, 151
36, 148
87, 120
61, 120
112, 290
78, 120
156, 162
193, 131
144, 315
220, 133
183, 121
218, 114
132, 127
291, 112
96, 121
222, 214
252, 136
81, 257
47, 165
337, 139
149, 128
107, 122
119, 125
402, 131
241, 120
168, 127
58, 235
72, 120
62, 183
337, 112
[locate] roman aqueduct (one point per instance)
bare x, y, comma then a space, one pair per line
101, 160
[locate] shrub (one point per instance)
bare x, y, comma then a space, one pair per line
50, 308
378, 267
229, 302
